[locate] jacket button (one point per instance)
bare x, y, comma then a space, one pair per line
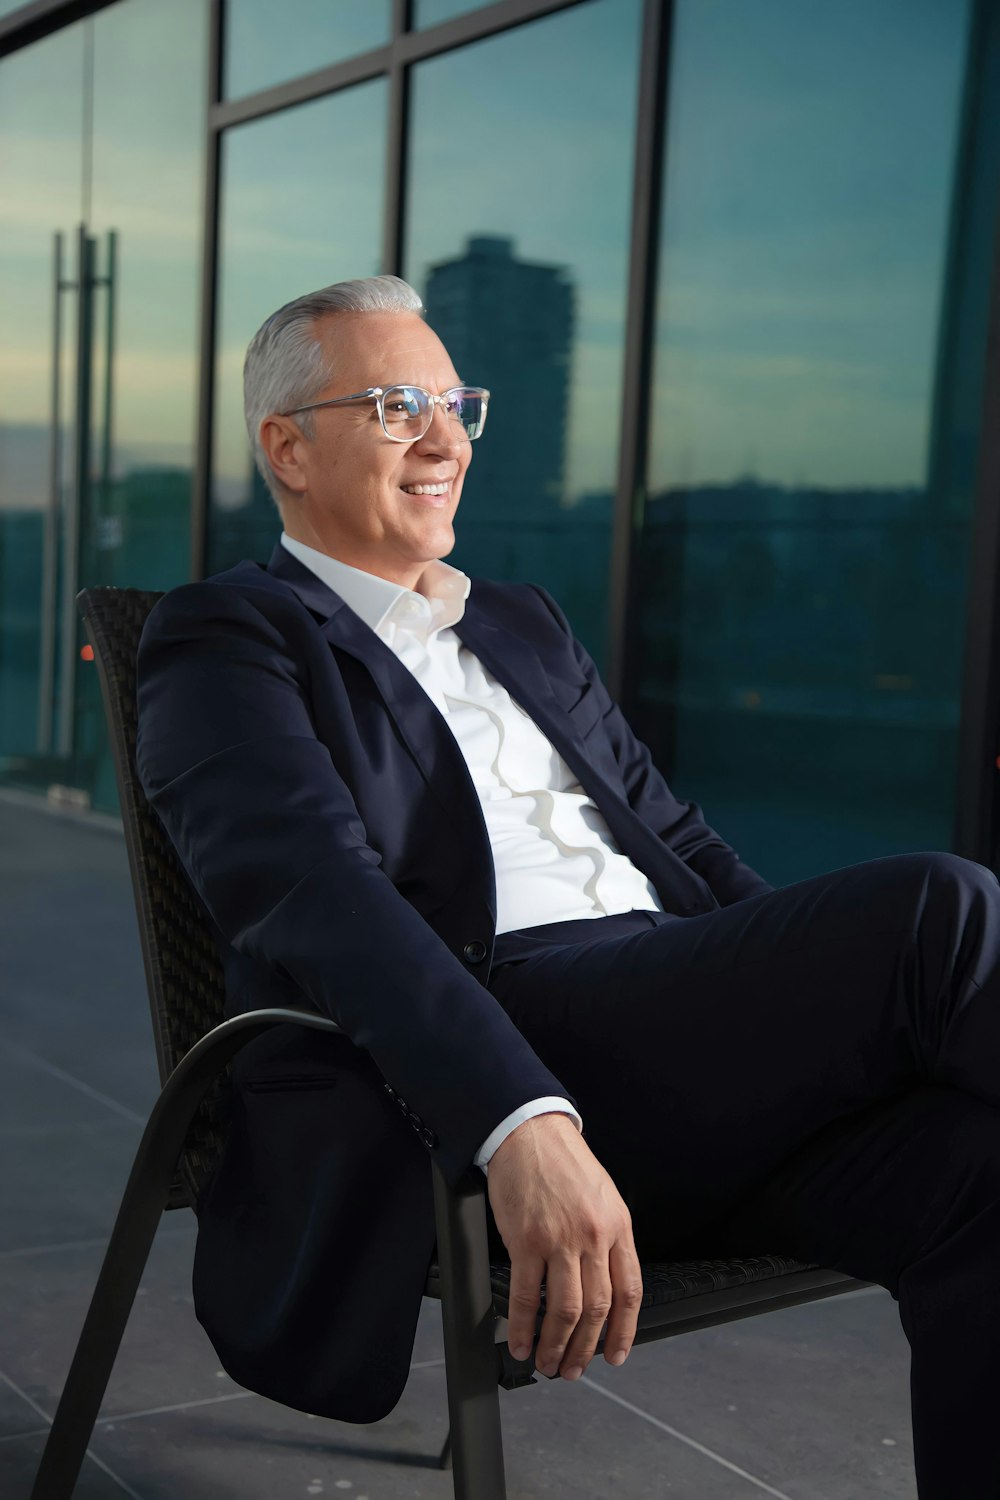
390, 1091
429, 1139
404, 1108
474, 952
416, 1121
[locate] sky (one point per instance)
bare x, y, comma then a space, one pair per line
810, 153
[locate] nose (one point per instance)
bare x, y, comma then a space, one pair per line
444, 435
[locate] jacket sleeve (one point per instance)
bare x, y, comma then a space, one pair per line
679, 824
272, 840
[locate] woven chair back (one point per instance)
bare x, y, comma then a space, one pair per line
183, 972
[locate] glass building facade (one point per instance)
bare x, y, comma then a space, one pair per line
729, 271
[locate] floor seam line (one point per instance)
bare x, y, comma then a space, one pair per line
121, 1483
159, 1411
32, 1058
174, 1232
682, 1437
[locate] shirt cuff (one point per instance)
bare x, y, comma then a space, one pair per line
547, 1106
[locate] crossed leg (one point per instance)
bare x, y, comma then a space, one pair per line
818, 1070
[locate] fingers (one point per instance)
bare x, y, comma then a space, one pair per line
626, 1278
596, 1305
581, 1294
526, 1272
563, 1309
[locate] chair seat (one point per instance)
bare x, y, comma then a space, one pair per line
663, 1281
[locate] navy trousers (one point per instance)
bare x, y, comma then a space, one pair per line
814, 1071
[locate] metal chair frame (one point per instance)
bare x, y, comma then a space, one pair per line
181, 1140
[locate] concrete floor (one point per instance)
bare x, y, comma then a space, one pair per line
809, 1404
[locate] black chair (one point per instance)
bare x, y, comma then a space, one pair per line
183, 1139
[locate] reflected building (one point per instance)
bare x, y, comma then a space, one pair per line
508, 325
248, 530
790, 645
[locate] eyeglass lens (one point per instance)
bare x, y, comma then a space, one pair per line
408, 410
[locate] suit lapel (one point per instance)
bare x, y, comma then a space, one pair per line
516, 665
509, 657
421, 727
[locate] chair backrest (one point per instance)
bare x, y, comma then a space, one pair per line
183, 972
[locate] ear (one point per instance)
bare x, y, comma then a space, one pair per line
282, 441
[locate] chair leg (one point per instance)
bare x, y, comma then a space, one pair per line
124, 1261
470, 1351
142, 1204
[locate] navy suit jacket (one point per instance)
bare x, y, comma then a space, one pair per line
325, 815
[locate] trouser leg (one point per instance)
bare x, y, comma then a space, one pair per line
819, 1070
702, 1051
907, 1194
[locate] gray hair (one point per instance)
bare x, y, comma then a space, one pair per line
285, 364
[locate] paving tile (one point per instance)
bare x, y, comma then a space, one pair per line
805, 1397
33, 1100
19, 1464
802, 1399
560, 1442
64, 1184
73, 986
165, 1357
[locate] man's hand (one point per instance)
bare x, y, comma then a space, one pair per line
561, 1216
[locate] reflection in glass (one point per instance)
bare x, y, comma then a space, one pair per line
301, 208
41, 181
145, 212
524, 276
802, 586
262, 49
432, 12
98, 401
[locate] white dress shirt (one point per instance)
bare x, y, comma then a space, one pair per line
553, 853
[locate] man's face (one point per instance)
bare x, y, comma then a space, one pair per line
357, 502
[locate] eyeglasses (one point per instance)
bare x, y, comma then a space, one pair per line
406, 411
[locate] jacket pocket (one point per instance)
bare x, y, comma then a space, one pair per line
291, 1082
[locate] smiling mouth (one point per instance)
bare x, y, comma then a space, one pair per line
426, 489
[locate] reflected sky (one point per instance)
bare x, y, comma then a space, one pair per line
431, 12
301, 207
138, 170
552, 173
810, 156
264, 48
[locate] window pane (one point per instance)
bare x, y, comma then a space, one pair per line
262, 49
147, 188
432, 12
802, 577
41, 179
518, 241
282, 236
146, 195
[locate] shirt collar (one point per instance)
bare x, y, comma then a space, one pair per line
437, 602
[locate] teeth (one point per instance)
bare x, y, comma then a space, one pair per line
426, 489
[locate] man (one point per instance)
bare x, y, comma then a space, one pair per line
414, 807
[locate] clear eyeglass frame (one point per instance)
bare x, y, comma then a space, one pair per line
380, 395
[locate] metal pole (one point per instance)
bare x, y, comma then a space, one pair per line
76, 497
50, 542
395, 166
109, 340
647, 179
202, 478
